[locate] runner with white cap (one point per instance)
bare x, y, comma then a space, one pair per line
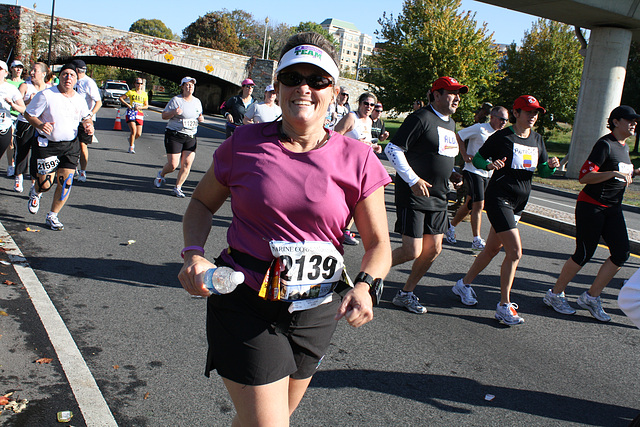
266, 111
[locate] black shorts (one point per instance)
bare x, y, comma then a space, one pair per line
504, 213
65, 153
416, 223
593, 221
253, 341
476, 185
83, 136
176, 142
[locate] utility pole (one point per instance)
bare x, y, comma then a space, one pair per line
53, 8
264, 44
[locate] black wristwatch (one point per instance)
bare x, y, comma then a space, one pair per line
375, 286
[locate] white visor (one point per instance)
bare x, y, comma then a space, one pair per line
307, 54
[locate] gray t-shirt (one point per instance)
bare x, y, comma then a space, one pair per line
187, 122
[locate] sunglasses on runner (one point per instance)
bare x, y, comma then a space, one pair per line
315, 81
368, 104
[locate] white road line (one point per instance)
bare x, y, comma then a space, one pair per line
555, 203
94, 408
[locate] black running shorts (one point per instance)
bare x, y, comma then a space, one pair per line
416, 223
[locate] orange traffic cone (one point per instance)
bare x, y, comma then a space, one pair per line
117, 125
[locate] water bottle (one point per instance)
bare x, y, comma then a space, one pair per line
222, 280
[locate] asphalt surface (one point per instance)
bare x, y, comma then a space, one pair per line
142, 336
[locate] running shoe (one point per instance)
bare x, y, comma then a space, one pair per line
508, 315
465, 292
34, 201
11, 170
350, 238
594, 305
132, 149
410, 302
159, 179
478, 244
178, 192
53, 222
17, 185
82, 176
450, 235
558, 302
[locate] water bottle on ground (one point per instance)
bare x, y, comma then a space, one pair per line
222, 280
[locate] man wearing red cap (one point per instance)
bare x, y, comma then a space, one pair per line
423, 153
235, 107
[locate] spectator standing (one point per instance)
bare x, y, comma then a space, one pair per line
55, 113
475, 179
378, 131
184, 112
87, 88
137, 100
607, 173
266, 111
515, 153
417, 104
235, 107
423, 153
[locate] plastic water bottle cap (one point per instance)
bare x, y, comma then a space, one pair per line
236, 277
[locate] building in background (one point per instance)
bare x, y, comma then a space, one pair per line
353, 45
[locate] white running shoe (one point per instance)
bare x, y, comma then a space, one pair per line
17, 185
53, 222
465, 292
478, 244
594, 305
558, 302
178, 192
508, 315
450, 235
34, 201
410, 302
159, 179
82, 176
132, 149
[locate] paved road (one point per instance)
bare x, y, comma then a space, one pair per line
142, 337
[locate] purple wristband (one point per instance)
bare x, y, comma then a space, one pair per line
192, 248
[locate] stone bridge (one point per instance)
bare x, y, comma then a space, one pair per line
24, 34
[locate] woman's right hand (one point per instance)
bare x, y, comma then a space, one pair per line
191, 274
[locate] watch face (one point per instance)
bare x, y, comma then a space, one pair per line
376, 290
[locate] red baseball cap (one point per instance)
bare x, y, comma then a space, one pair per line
448, 83
527, 103
248, 82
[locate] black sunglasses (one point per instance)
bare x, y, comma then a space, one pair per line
502, 119
368, 104
314, 81
379, 111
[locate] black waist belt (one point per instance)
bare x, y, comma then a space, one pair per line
249, 261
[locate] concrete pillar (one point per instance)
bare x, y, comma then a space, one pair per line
600, 91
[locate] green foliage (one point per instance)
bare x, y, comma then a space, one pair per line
316, 28
631, 91
547, 66
427, 40
153, 27
213, 30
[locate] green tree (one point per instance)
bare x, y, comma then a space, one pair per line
279, 35
317, 28
248, 31
152, 27
429, 39
213, 30
631, 91
547, 66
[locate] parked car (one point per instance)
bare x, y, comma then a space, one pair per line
112, 91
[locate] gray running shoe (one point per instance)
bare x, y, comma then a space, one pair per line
558, 302
159, 179
478, 245
54, 223
82, 176
410, 302
594, 305
465, 292
178, 192
34, 201
450, 235
508, 315
349, 238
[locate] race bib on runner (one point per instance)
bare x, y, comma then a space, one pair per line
308, 272
524, 157
447, 143
625, 168
189, 124
48, 165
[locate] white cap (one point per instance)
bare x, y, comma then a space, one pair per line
236, 277
269, 88
308, 54
3, 65
16, 63
187, 80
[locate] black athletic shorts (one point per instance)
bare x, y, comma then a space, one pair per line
83, 136
476, 185
593, 221
504, 213
56, 155
253, 341
176, 142
416, 223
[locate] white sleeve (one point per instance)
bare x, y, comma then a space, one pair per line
251, 111
629, 298
37, 105
94, 91
399, 161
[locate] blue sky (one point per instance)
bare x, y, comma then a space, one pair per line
508, 26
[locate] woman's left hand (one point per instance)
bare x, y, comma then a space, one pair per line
356, 306
554, 162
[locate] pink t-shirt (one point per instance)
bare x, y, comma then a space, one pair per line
277, 194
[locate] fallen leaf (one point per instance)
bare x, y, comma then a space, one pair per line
4, 274
3, 400
32, 230
9, 282
3, 313
43, 360
116, 366
5, 263
146, 395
